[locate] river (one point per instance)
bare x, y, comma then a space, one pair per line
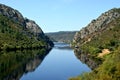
60, 64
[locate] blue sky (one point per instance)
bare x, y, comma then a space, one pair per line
62, 15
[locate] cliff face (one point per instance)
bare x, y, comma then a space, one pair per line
102, 33
12, 14
33, 27
24, 22
23, 30
96, 26
98, 45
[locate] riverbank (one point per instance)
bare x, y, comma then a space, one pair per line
101, 41
108, 70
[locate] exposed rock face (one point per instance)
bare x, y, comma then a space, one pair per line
84, 39
17, 17
12, 13
29, 27
33, 27
96, 26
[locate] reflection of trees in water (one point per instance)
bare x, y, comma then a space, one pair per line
87, 59
14, 64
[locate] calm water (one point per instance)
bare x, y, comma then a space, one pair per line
59, 64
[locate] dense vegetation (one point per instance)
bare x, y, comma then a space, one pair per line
109, 70
106, 39
21, 41
15, 36
62, 36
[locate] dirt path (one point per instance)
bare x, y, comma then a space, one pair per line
104, 52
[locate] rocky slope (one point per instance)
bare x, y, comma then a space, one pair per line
96, 26
100, 36
17, 17
16, 23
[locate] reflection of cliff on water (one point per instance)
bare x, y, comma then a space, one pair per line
66, 48
62, 45
87, 59
14, 64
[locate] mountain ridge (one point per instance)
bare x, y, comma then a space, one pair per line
96, 25
101, 34
16, 16
61, 36
25, 33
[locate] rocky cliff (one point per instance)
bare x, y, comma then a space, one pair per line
98, 45
96, 26
16, 23
24, 22
12, 14
99, 34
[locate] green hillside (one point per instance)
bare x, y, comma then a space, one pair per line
62, 36
107, 38
17, 32
14, 36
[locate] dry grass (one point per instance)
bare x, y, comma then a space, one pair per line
104, 52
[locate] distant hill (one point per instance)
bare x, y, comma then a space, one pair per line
62, 36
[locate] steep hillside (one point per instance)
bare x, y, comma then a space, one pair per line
100, 41
62, 36
17, 32
96, 26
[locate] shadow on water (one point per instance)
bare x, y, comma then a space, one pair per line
14, 64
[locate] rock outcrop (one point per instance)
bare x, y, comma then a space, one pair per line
29, 26
34, 28
12, 14
96, 26
101, 34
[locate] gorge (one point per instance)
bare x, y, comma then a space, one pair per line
27, 53
23, 46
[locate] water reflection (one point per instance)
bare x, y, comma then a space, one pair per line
62, 46
87, 59
60, 64
14, 64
